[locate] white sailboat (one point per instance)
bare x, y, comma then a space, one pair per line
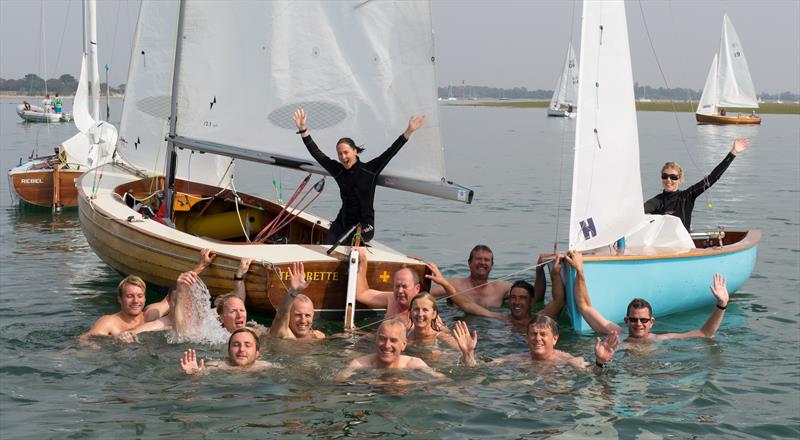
728, 83
657, 260
49, 181
348, 70
564, 100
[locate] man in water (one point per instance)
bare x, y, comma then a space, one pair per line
295, 316
520, 299
477, 285
171, 312
542, 336
397, 302
131, 298
639, 319
390, 341
244, 349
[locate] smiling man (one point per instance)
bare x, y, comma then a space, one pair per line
131, 298
639, 318
390, 341
477, 285
295, 316
244, 349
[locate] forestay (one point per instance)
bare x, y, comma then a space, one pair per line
606, 185
144, 123
566, 90
359, 69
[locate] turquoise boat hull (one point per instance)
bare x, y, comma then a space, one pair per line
671, 283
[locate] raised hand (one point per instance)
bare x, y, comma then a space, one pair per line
413, 124
300, 119
556, 272
189, 363
297, 277
604, 348
466, 342
206, 258
187, 279
575, 259
720, 290
436, 275
244, 266
739, 145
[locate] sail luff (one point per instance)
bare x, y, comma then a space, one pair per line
607, 199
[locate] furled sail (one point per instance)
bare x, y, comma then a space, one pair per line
566, 91
359, 69
606, 184
735, 85
145, 115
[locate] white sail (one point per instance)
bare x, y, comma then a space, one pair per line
735, 85
359, 69
144, 123
708, 100
606, 185
566, 90
80, 105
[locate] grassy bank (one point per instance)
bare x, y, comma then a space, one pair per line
654, 106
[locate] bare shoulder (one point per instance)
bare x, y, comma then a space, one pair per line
413, 362
319, 335
361, 362
108, 325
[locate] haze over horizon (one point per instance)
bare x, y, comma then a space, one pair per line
502, 43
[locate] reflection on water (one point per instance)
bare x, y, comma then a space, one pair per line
743, 383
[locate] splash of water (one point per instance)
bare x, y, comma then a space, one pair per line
193, 320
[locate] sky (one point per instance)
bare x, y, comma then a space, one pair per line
500, 43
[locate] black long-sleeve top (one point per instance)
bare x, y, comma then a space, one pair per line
356, 185
681, 203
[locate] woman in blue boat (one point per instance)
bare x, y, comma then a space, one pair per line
680, 203
356, 179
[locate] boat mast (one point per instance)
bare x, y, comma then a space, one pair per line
93, 79
172, 156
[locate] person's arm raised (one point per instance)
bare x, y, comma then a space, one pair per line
206, 258
466, 343
462, 301
598, 323
239, 287
297, 283
189, 364
369, 297
709, 329
553, 309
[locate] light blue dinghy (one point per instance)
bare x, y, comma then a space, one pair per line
659, 260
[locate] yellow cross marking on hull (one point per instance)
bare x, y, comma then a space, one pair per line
384, 276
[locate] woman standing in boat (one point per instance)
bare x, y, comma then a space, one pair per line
356, 179
673, 201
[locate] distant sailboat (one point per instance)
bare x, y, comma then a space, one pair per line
657, 260
565, 95
728, 83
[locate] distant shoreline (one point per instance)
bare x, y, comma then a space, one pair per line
7, 95
785, 108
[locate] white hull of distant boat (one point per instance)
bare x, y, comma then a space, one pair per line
37, 114
659, 260
561, 113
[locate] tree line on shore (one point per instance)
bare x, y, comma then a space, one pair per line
640, 91
33, 85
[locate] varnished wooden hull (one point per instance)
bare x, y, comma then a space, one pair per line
47, 186
727, 119
158, 254
672, 282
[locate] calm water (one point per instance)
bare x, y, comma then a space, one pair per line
742, 384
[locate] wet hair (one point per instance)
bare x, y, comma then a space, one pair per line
131, 279
414, 274
394, 322
245, 330
477, 248
432, 299
543, 321
351, 143
522, 284
673, 165
220, 301
639, 303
